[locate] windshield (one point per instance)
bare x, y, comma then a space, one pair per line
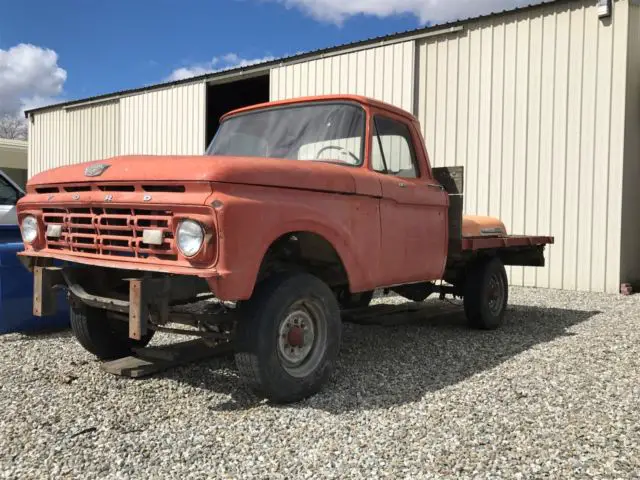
326, 132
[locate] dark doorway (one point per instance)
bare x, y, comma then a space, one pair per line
224, 97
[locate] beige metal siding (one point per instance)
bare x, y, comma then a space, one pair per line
48, 141
385, 73
630, 259
94, 132
533, 105
164, 122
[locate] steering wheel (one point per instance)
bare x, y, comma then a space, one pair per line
341, 149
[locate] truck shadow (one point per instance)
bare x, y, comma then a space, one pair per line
397, 358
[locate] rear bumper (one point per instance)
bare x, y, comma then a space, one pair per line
32, 257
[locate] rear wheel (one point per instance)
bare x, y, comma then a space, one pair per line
104, 337
486, 294
289, 336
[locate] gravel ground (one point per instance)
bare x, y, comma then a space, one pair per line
553, 394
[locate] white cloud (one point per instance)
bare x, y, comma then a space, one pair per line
188, 72
216, 64
29, 77
435, 11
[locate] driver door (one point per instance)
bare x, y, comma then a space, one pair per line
413, 207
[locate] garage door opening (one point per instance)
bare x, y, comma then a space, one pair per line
222, 98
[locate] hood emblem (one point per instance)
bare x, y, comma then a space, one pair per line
95, 170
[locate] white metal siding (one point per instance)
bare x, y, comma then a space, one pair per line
533, 105
48, 141
630, 259
93, 131
384, 73
164, 122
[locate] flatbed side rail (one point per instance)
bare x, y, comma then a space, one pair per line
474, 244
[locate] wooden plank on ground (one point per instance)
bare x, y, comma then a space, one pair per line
152, 360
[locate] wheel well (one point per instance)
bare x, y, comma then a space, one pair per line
305, 251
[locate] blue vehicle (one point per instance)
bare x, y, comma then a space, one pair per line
16, 282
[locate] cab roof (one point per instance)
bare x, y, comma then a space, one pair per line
364, 101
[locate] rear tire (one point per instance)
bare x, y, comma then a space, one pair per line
103, 337
486, 294
288, 338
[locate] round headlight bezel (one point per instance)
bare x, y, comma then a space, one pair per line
195, 230
29, 229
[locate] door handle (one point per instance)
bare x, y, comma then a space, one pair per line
433, 185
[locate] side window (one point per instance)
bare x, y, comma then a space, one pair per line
393, 151
8, 194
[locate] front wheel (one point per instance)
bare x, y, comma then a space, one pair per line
486, 293
104, 337
288, 337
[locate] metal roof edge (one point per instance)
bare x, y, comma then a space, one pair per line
447, 27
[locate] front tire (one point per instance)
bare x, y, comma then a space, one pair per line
486, 294
101, 336
288, 338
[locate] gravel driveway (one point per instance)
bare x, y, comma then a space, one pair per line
555, 393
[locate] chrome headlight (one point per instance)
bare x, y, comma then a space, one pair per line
29, 228
190, 237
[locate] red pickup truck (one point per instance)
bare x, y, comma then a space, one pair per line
299, 209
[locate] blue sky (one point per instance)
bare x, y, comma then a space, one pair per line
81, 48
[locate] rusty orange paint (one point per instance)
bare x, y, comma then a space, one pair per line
384, 233
476, 226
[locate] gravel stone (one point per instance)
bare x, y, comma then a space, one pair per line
553, 394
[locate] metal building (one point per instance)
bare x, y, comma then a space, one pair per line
540, 104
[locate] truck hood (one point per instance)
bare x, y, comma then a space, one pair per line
241, 170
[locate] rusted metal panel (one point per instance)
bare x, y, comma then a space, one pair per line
487, 243
44, 295
138, 309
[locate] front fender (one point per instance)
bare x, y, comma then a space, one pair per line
249, 224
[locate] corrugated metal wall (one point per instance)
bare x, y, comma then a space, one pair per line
167, 121
48, 141
94, 132
385, 73
164, 122
630, 260
533, 105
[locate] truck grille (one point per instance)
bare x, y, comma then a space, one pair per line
115, 232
